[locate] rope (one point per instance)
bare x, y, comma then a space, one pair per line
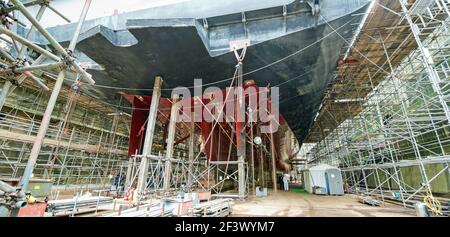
433, 204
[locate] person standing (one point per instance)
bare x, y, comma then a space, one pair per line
280, 181
285, 182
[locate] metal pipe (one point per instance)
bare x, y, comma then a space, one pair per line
4, 93
4, 65
191, 150
261, 159
6, 40
6, 187
42, 131
19, 5
53, 41
174, 113
22, 77
240, 123
7, 55
37, 80
28, 43
130, 168
32, 30
148, 140
240, 132
47, 66
59, 13
74, 40
274, 166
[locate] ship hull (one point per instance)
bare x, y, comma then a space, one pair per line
297, 52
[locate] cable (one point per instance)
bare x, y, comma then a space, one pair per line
127, 107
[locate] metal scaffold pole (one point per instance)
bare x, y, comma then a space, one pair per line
191, 150
149, 134
175, 110
4, 93
42, 131
274, 166
240, 125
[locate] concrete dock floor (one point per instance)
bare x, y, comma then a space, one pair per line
291, 204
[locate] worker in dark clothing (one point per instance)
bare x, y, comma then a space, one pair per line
280, 182
119, 181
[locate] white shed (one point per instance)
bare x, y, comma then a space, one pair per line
324, 179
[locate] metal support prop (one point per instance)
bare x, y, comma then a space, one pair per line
130, 168
274, 166
191, 150
148, 140
240, 126
261, 157
174, 113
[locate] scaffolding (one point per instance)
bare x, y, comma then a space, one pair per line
87, 149
388, 130
48, 127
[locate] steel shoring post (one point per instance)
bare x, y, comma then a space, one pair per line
261, 157
129, 173
274, 166
191, 150
218, 155
148, 140
252, 163
174, 114
240, 124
